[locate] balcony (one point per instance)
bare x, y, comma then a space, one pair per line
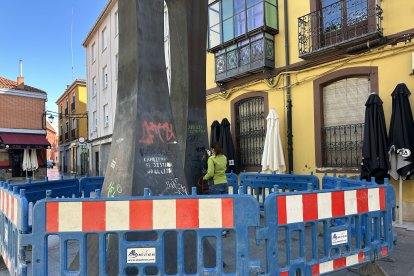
341, 25
246, 57
72, 106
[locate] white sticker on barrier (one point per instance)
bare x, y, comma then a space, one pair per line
141, 255
339, 237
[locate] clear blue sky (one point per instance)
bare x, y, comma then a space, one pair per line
39, 33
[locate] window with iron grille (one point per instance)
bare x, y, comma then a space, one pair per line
250, 131
343, 122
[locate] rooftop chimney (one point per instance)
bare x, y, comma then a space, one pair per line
20, 78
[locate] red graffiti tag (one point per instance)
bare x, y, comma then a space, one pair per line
162, 131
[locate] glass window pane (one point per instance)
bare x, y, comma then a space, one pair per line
227, 6
357, 11
240, 24
239, 6
232, 60
220, 64
251, 3
231, 47
228, 33
271, 2
271, 16
331, 15
255, 17
214, 36
214, 14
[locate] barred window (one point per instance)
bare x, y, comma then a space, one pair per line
343, 122
250, 131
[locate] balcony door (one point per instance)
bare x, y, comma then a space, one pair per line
345, 19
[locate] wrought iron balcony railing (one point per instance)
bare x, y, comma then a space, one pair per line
342, 23
342, 146
245, 57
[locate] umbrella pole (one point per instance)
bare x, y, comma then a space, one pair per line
400, 211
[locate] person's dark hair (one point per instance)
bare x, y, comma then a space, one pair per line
218, 149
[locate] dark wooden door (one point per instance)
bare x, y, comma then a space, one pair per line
17, 161
97, 163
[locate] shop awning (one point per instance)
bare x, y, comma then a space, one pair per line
23, 140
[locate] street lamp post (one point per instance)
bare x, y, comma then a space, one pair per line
51, 116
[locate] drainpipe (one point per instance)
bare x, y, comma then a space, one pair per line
288, 92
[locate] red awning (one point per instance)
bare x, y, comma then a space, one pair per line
23, 140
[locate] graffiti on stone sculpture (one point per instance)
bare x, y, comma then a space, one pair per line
113, 189
175, 186
195, 129
163, 132
157, 165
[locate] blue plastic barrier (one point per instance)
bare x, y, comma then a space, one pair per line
206, 216
332, 182
13, 222
88, 185
309, 231
288, 182
260, 185
314, 211
232, 183
36, 190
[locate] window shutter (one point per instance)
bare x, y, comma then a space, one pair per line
344, 101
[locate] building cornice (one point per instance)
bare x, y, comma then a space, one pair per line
22, 130
98, 22
21, 93
77, 82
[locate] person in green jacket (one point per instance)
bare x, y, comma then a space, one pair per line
217, 165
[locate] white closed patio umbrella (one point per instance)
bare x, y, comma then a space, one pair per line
273, 159
33, 160
27, 165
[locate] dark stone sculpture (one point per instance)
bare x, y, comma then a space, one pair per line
188, 26
145, 150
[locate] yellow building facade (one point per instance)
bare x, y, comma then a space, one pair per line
324, 58
73, 129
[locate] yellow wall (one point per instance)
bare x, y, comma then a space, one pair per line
81, 97
394, 66
80, 108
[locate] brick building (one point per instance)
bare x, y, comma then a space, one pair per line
22, 126
52, 138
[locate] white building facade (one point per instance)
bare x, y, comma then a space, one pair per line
102, 81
